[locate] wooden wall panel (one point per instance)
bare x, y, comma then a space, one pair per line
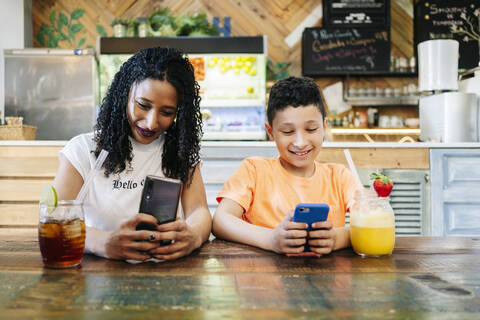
25, 215
276, 19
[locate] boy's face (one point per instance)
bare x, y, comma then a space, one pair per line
298, 134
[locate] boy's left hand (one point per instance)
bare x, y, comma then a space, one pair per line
323, 240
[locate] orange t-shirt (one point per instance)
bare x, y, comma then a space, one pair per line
266, 191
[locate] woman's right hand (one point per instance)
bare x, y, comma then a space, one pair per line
128, 243
289, 236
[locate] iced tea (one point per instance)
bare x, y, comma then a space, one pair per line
61, 234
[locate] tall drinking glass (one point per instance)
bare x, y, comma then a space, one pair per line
372, 225
61, 234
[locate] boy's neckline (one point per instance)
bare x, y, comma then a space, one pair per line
287, 172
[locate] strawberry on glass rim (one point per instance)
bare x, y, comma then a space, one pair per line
382, 184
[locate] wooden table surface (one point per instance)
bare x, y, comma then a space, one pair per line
425, 278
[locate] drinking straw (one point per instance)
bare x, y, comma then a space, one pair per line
353, 169
98, 164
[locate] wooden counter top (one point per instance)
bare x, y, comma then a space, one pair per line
434, 278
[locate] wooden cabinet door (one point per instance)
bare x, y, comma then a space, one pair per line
455, 192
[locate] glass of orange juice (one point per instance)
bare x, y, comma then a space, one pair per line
372, 225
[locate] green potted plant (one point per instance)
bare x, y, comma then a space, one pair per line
132, 28
143, 26
119, 27
195, 25
162, 23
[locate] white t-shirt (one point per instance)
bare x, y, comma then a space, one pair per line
111, 201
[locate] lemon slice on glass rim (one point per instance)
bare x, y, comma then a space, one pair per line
49, 198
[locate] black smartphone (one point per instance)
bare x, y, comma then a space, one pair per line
310, 213
160, 198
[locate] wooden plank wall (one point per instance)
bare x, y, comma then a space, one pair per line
24, 170
275, 18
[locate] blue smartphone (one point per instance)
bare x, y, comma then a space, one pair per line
310, 213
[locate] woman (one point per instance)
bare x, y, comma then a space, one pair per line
150, 123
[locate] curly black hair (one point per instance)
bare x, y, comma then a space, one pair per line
295, 92
182, 138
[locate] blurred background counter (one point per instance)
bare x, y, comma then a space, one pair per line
435, 193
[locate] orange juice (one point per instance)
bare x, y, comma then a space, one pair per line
372, 226
372, 241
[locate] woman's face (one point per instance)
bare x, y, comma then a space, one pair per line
151, 110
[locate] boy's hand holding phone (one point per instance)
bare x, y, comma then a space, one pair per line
320, 234
289, 237
321, 239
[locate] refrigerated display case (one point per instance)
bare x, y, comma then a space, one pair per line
229, 70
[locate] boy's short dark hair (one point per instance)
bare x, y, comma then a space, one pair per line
295, 92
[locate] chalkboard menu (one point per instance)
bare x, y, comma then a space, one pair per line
340, 51
451, 19
356, 13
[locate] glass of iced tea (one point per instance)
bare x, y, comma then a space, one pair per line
372, 225
61, 234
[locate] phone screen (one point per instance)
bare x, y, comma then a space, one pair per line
160, 198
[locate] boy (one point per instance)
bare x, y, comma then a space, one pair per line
256, 203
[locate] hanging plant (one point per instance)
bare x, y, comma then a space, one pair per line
61, 28
277, 71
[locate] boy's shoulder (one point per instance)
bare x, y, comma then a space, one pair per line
258, 160
259, 163
331, 168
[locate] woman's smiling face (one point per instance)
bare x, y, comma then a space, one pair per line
152, 107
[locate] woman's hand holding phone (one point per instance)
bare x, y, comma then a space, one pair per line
128, 243
184, 240
289, 237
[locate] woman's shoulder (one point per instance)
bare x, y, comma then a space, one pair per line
84, 139
81, 143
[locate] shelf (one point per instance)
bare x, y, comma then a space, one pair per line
232, 102
235, 135
382, 101
391, 131
208, 44
384, 74
376, 135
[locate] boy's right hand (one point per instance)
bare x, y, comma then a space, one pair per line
289, 236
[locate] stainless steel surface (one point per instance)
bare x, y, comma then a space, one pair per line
53, 89
449, 117
469, 81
